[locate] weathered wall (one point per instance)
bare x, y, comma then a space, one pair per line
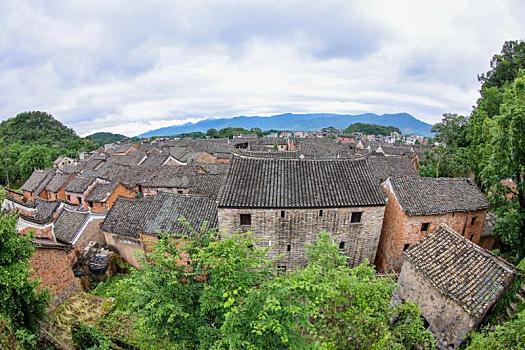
53, 268
301, 226
128, 248
448, 321
90, 233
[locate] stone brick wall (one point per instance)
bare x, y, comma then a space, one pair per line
287, 236
90, 233
400, 230
52, 267
448, 321
128, 248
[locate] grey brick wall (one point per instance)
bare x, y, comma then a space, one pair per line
301, 226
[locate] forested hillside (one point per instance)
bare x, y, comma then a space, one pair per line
490, 145
371, 129
102, 138
33, 140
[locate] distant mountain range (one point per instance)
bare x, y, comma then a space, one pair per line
407, 123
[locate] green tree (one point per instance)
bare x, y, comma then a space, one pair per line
509, 335
502, 166
326, 305
371, 129
450, 158
20, 300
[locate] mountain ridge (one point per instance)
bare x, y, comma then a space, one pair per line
406, 122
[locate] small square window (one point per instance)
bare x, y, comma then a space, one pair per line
68, 198
180, 191
473, 220
405, 247
90, 204
425, 226
356, 217
282, 213
281, 269
288, 247
246, 219
341, 245
80, 200
321, 212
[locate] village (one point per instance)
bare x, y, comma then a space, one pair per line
433, 234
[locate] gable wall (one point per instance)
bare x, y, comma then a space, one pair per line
448, 321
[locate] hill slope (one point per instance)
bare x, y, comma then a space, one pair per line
102, 138
33, 140
289, 121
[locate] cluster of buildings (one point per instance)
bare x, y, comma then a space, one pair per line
392, 138
115, 202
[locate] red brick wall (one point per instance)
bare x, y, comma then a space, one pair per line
52, 267
399, 229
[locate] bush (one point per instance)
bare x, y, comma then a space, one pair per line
87, 337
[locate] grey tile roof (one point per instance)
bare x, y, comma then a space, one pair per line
49, 176
196, 210
215, 168
127, 217
463, 271
34, 180
159, 214
156, 160
101, 192
385, 167
68, 224
396, 150
288, 183
433, 196
57, 182
79, 184
206, 185
268, 154
132, 159
45, 209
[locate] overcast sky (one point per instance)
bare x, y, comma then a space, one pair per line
132, 66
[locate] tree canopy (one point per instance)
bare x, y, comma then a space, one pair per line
102, 138
490, 144
371, 129
22, 304
33, 140
209, 293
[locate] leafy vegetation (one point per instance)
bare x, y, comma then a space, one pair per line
102, 138
207, 293
371, 129
225, 133
490, 143
33, 140
87, 337
22, 304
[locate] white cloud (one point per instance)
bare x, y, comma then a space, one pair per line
129, 67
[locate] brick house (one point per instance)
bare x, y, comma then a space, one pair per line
103, 195
36, 183
77, 189
417, 205
132, 225
454, 281
287, 202
55, 188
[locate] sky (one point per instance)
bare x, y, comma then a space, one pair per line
133, 66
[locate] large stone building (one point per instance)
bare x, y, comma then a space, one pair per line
417, 205
454, 281
287, 202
